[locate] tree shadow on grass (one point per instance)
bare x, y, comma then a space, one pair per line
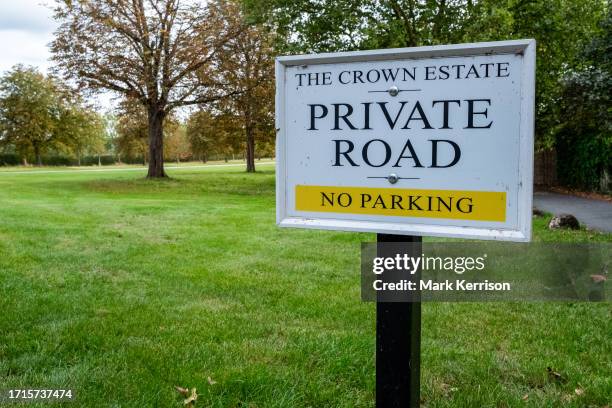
193, 183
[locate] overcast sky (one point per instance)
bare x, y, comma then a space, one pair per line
26, 28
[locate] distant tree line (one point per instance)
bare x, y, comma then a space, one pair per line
44, 122
208, 60
39, 116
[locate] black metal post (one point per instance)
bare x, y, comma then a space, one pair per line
398, 340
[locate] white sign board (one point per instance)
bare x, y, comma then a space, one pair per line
417, 141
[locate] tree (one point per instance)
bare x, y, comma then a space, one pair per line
109, 120
561, 28
246, 66
229, 135
411, 23
314, 25
30, 107
80, 131
157, 52
177, 147
584, 145
215, 133
132, 132
200, 133
131, 140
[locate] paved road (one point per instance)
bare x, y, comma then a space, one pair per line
595, 214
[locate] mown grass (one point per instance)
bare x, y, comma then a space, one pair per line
120, 288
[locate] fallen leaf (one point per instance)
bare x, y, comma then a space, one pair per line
525, 397
192, 398
183, 391
553, 375
447, 389
579, 391
211, 381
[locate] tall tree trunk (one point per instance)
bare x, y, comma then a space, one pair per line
250, 148
38, 156
156, 144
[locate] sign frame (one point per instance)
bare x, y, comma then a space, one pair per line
526, 48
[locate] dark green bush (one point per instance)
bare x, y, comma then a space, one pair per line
58, 161
9, 159
582, 159
93, 160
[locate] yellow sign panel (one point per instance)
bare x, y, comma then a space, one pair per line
449, 204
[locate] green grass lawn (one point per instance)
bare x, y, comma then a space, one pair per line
121, 288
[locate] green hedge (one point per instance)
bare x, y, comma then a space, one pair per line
9, 159
58, 161
581, 160
93, 160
